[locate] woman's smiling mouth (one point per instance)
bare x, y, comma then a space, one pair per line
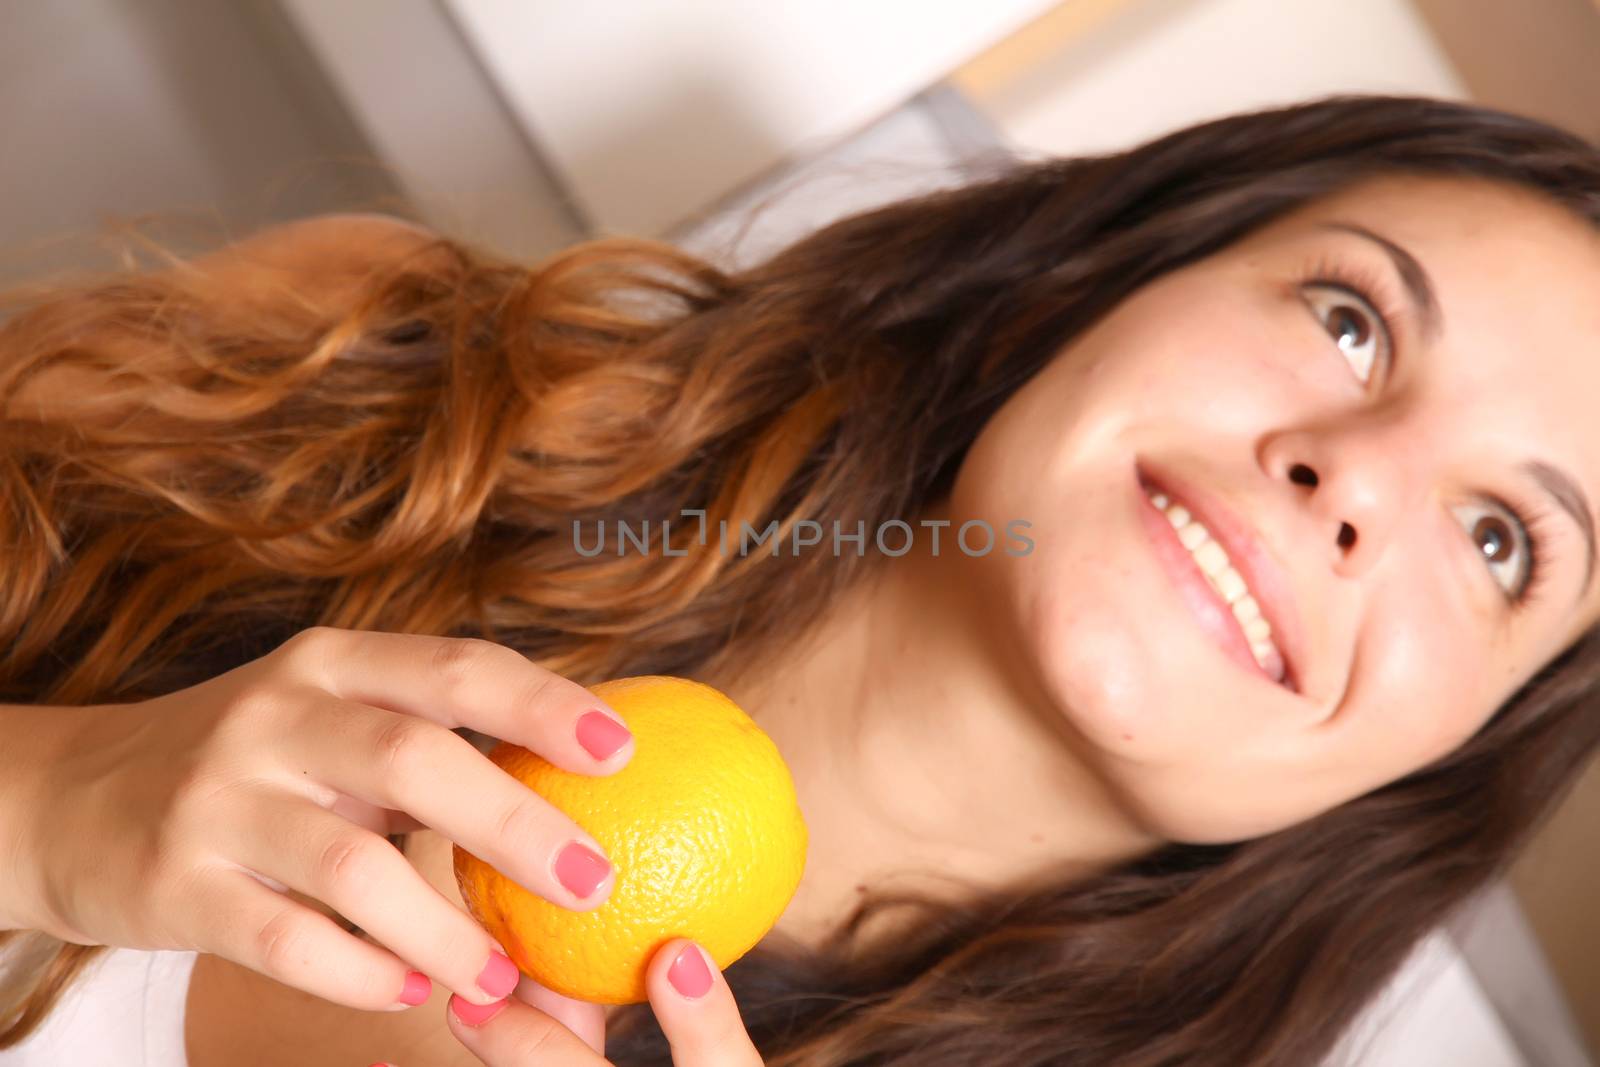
1214, 587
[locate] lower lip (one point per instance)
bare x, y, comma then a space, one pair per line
1204, 602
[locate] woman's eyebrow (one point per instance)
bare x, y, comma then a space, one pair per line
1417, 283
1569, 494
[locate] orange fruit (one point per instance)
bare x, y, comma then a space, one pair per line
702, 826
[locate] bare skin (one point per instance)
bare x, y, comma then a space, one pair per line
982, 718
237, 1017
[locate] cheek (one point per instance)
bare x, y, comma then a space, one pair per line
1430, 688
1219, 351
1077, 611
1096, 671
1193, 351
1059, 611
1423, 680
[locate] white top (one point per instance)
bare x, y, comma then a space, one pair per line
125, 1010
1432, 1011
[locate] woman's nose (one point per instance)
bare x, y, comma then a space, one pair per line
1356, 496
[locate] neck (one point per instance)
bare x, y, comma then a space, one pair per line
924, 753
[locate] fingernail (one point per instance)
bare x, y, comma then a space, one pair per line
499, 976
474, 1014
416, 989
601, 735
689, 974
580, 869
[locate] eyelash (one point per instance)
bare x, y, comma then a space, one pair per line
1374, 292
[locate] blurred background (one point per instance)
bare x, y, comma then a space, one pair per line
730, 128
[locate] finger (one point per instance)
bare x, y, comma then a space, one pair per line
696, 1009
399, 761
513, 1034
586, 1020
253, 926
368, 881
455, 682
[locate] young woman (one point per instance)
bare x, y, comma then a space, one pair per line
1282, 641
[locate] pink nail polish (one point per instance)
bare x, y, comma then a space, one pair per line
416, 990
601, 735
499, 976
474, 1014
580, 869
689, 974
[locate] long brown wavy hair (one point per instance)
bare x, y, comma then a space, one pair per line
246, 464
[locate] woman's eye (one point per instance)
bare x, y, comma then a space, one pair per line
1354, 325
1499, 535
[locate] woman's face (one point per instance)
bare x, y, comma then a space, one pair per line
1383, 493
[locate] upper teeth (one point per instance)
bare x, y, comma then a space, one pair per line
1228, 583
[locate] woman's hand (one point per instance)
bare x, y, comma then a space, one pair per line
178, 822
537, 1027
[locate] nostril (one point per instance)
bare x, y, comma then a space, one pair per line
1300, 474
1347, 535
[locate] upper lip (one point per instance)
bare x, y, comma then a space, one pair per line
1249, 555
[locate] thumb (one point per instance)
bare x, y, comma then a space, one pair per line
696, 1009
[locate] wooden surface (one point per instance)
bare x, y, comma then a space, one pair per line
1558, 881
996, 68
1535, 57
